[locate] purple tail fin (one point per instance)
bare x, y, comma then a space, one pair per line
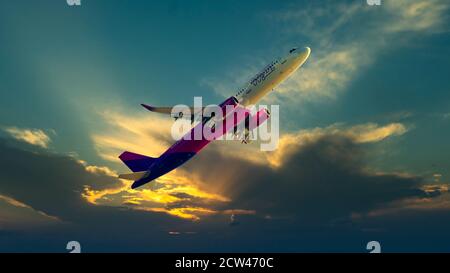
136, 162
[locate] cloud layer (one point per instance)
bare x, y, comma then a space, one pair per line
323, 183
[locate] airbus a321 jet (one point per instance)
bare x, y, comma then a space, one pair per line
145, 169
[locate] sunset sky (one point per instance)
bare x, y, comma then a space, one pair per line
364, 151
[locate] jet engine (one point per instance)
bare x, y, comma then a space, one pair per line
252, 122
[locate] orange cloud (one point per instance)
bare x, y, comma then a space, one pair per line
177, 193
173, 194
146, 134
437, 197
35, 137
363, 133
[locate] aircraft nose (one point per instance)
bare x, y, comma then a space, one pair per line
304, 54
298, 56
307, 50
301, 55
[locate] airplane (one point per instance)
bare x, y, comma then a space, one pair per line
146, 169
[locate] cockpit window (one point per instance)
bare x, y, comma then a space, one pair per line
292, 50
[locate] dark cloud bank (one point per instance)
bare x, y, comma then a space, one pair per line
306, 205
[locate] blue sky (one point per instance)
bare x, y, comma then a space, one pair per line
377, 75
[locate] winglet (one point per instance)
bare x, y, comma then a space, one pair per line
162, 110
148, 107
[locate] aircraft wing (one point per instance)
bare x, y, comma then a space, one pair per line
193, 111
168, 111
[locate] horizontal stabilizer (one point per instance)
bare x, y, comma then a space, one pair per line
137, 162
133, 176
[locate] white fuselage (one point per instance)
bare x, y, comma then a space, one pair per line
271, 76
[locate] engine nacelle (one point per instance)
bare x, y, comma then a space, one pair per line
259, 118
253, 122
